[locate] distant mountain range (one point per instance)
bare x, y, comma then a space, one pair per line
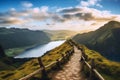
105, 40
60, 34
13, 37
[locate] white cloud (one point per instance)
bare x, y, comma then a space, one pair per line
90, 3
72, 18
8, 20
27, 4
13, 9
99, 5
20, 17
36, 10
40, 13
87, 14
44, 8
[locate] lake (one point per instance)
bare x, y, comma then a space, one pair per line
39, 50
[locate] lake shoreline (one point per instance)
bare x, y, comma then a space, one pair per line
30, 52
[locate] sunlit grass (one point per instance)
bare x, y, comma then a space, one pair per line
32, 65
109, 69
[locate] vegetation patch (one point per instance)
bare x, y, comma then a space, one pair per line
108, 69
32, 65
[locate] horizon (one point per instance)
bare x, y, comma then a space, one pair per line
75, 15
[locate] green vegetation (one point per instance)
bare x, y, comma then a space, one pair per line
13, 37
4, 65
15, 51
104, 40
109, 69
32, 65
60, 34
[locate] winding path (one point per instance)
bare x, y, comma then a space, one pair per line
71, 70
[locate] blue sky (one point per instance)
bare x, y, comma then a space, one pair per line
57, 14
112, 5
7, 4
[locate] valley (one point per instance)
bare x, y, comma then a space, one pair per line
101, 45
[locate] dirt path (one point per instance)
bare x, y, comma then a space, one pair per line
72, 70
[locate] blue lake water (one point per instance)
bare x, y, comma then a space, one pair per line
39, 50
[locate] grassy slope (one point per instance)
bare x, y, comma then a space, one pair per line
109, 69
4, 66
104, 40
32, 65
15, 35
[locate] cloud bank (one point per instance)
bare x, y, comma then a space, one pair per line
63, 18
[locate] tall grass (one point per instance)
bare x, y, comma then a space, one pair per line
110, 70
32, 65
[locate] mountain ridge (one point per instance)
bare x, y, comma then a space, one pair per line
14, 37
104, 40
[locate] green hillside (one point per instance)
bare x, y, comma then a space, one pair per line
108, 69
104, 40
13, 37
9, 63
14, 73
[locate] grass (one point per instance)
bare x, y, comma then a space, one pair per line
32, 65
110, 70
15, 51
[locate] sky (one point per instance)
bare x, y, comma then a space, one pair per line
79, 15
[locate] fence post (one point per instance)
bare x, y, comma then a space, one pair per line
83, 53
91, 77
82, 64
86, 57
58, 64
67, 55
70, 43
40, 62
63, 57
73, 50
43, 71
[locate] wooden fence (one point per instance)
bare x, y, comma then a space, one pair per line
57, 64
91, 72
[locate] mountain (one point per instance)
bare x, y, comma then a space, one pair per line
59, 34
13, 37
105, 40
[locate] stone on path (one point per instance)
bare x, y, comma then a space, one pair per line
71, 70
